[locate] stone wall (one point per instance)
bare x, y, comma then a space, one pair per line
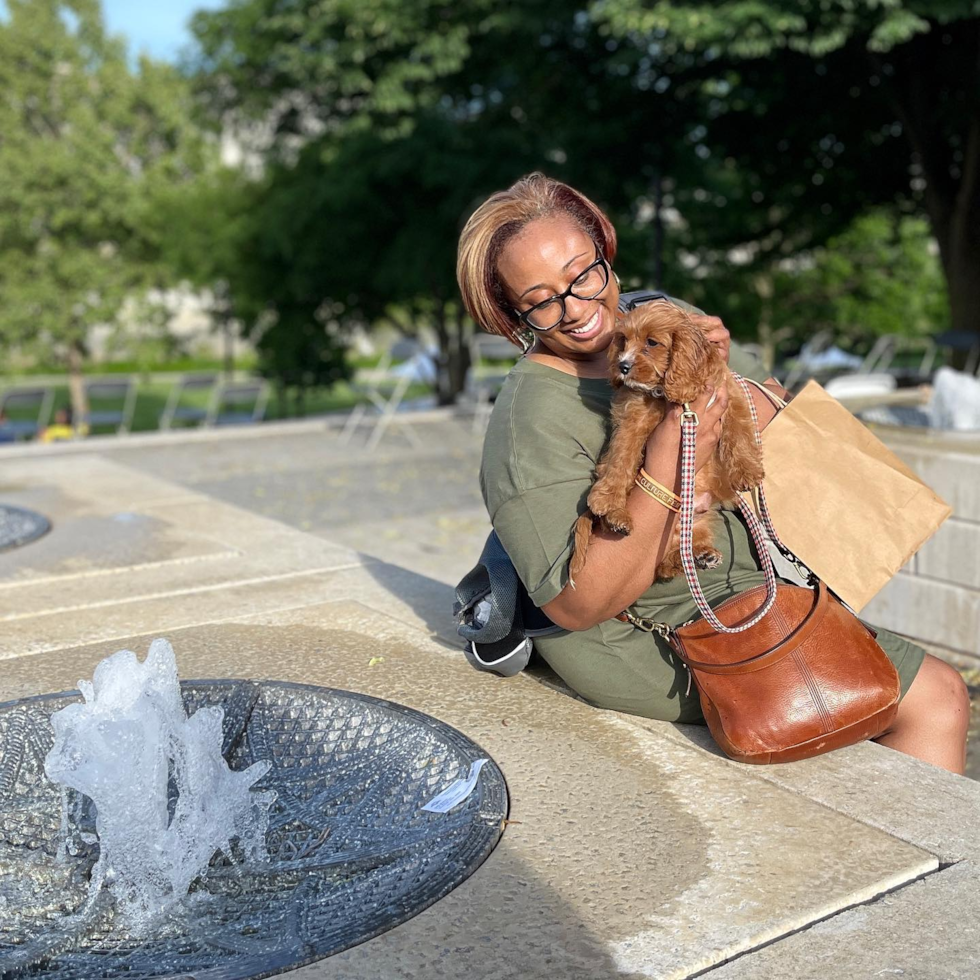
936, 597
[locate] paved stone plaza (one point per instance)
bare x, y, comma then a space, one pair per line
417, 508
634, 848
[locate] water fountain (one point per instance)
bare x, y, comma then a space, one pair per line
224, 828
20, 526
131, 749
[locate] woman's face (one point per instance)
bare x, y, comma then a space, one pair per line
544, 259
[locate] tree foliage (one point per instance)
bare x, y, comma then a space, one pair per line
83, 141
820, 110
877, 277
728, 141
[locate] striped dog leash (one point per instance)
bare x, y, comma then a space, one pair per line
689, 426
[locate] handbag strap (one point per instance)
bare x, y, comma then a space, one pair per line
790, 642
689, 428
689, 424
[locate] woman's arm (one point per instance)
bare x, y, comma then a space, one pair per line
620, 568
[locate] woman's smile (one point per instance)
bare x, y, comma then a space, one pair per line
588, 330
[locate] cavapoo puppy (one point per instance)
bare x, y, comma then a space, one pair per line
660, 355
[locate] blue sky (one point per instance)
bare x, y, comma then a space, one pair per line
158, 27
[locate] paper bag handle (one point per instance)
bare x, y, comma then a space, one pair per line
771, 395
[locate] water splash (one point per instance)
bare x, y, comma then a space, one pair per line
126, 747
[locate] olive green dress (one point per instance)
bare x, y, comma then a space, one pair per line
546, 433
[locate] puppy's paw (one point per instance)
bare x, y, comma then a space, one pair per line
749, 479
618, 519
708, 558
600, 500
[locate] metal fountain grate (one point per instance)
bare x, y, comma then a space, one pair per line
20, 526
351, 852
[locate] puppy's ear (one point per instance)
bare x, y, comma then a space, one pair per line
690, 356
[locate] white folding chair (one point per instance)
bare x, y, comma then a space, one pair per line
238, 403
384, 388
122, 392
176, 412
22, 401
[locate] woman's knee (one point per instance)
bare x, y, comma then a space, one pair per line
941, 691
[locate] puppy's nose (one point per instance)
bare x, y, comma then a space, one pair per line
624, 366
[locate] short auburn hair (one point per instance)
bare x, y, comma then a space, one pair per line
495, 222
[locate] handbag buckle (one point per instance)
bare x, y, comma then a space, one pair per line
648, 625
805, 573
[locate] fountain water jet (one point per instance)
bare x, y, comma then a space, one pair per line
130, 747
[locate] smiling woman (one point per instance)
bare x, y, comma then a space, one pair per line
535, 265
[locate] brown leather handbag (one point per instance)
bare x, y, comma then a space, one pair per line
783, 671
807, 678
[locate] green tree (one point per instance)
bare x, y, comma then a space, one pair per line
203, 230
819, 110
391, 122
878, 277
82, 140
363, 231
719, 160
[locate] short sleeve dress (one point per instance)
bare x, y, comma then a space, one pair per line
546, 433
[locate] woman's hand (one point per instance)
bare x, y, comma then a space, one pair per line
663, 446
715, 332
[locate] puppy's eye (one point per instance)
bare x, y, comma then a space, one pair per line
653, 343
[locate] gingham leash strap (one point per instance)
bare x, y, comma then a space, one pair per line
760, 489
689, 426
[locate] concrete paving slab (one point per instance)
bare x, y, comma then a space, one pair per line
413, 600
419, 508
631, 854
104, 622
416, 600
443, 547
918, 802
87, 484
642, 851
77, 492
87, 544
927, 931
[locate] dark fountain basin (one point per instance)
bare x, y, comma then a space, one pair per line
351, 852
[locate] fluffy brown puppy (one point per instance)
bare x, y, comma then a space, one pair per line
660, 355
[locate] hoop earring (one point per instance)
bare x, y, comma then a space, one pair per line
618, 284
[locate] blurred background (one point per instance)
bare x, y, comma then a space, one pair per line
263, 189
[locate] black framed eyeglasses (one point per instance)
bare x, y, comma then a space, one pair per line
591, 281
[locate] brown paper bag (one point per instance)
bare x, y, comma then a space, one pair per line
843, 502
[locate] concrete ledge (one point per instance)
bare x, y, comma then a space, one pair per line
936, 599
635, 849
927, 931
937, 612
